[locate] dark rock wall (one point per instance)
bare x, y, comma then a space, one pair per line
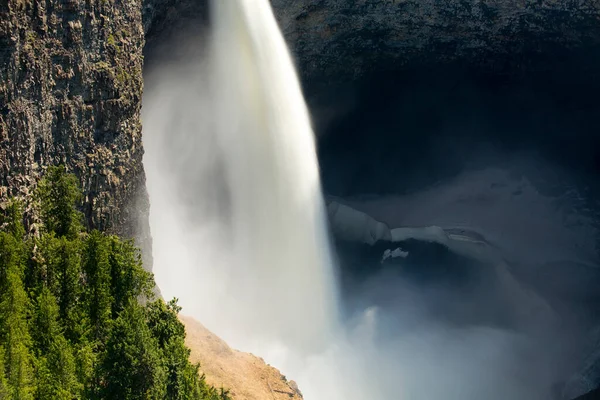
164, 17
346, 38
70, 93
343, 39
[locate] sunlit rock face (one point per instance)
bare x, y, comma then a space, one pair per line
70, 94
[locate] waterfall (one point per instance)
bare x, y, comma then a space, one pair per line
239, 237
237, 216
277, 211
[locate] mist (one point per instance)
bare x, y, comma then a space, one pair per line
466, 317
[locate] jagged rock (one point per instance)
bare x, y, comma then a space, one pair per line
70, 93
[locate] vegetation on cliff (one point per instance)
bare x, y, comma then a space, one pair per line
77, 314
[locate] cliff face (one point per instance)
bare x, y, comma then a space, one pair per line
348, 38
343, 39
70, 93
71, 71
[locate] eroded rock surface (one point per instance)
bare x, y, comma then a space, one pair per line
70, 93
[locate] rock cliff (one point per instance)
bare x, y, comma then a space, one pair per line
70, 93
348, 38
71, 71
344, 39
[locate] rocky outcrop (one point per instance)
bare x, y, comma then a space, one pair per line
70, 93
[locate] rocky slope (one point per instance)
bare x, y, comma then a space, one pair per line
245, 375
70, 93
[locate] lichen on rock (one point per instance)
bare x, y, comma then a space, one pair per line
70, 93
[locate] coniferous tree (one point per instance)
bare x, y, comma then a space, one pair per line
57, 377
58, 194
71, 322
12, 219
129, 280
69, 289
4, 388
170, 334
132, 366
98, 289
14, 332
86, 361
183, 378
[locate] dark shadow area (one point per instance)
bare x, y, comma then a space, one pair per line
461, 291
594, 395
404, 132
409, 129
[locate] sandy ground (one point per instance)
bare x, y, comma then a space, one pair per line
246, 376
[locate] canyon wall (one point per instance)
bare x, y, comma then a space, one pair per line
70, 94
346, 38
71, 72
343, 39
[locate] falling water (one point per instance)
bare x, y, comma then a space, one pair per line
277, 209
237, 215
238, 235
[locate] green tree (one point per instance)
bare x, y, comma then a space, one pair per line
170, 334
12, 249
4, 388
163, 321
14, 333
96, 266
132, 366
76, 317
57, 378
45, 327
58, 267
57, 369
12, 219
183, 378
129, 280
58, 195
86, 360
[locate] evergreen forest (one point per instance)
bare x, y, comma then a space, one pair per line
78, 315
